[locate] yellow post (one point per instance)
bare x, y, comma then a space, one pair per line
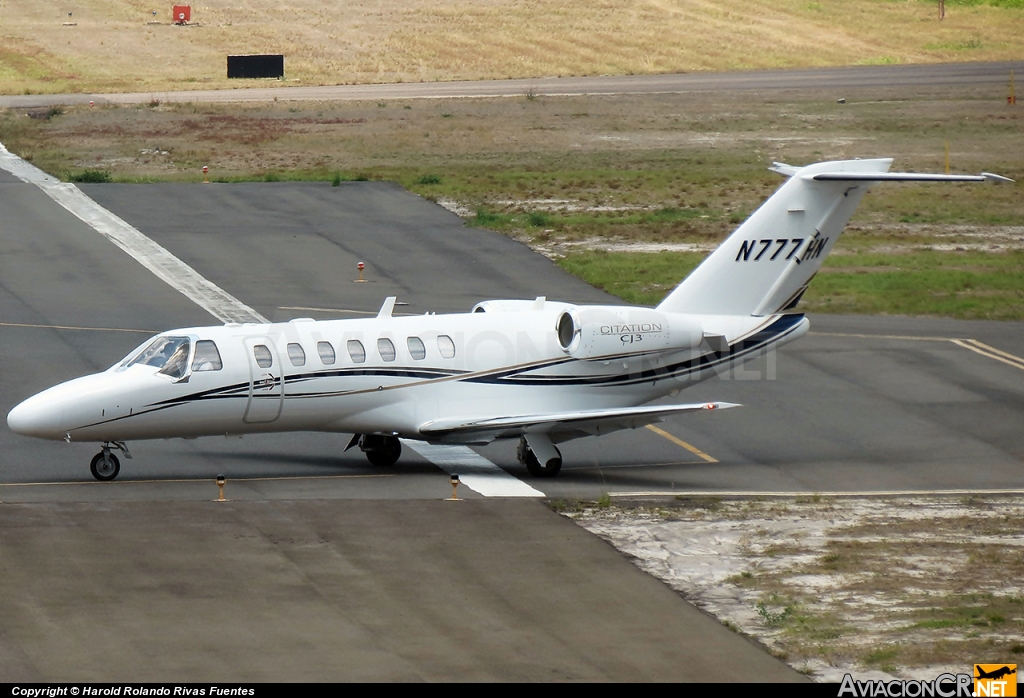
220, 486
454, 479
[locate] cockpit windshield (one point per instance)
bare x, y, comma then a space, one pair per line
169, 354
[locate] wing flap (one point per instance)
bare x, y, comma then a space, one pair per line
562, 426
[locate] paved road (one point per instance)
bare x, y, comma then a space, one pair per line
837, 79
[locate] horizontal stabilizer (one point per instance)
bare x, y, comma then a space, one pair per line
561, 426
904, 177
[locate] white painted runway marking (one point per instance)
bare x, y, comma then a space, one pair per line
157, 259
474, 471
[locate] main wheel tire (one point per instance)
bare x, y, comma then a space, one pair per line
383, 451
533, 466
105, 468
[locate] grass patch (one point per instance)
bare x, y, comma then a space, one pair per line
952, 284
634, 169
635, 277
411, 40
90, 176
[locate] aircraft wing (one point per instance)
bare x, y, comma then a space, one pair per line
561, 426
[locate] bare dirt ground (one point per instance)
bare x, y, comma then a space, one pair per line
904, 587
120, 45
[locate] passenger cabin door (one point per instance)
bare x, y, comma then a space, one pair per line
266, 382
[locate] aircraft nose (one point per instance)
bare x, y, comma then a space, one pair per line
37, 417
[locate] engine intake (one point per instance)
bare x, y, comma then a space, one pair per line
594, 332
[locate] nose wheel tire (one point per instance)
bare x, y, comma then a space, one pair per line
105, 466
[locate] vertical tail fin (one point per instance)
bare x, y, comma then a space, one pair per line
765, 265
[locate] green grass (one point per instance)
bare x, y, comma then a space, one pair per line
639, 169
971, 285
953, 284
635, 277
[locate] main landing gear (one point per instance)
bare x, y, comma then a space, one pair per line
539, 455
382, 451
105, 466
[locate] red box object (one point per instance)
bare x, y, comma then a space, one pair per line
182, 14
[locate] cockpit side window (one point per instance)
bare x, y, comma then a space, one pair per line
169, 354
207, 357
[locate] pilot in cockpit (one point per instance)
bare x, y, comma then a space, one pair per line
175, 366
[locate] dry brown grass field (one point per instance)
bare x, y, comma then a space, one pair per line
119, 45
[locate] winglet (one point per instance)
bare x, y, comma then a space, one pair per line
388, 307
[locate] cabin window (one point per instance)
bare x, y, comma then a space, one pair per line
356, 351
264, 359
386, 349
326, 352
416, 348
169, 354
446, 346
207, 357
296, 355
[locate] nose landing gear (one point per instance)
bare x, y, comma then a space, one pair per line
105, 466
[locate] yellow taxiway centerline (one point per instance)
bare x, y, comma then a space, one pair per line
972, 344
679, 442
71, 327
991, 352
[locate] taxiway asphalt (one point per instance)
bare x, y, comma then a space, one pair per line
324, 568
861, 404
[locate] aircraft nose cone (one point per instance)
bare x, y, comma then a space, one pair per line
36, 417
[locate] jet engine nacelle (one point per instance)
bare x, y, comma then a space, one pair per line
595, 332
517, 306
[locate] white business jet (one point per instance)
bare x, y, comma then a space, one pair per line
540, 371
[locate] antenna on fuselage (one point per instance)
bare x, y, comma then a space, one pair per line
387, 308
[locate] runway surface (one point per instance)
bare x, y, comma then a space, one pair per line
324, 568
861, 404
838, 79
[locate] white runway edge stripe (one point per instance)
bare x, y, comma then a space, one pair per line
474, 471
149, 254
